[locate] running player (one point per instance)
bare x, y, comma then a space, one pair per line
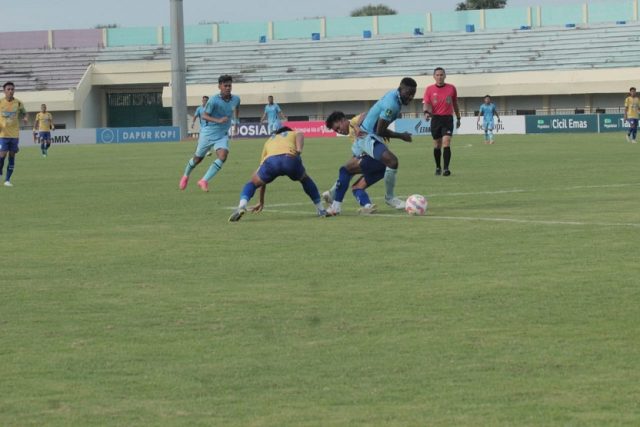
272, 114
198, 113
440, 101
44, 124
220, 113
375, 125
11, 109
487, 111
280, 157
631, 114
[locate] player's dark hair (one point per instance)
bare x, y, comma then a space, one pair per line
487, 96
632, 88
284, 129
224, 79
439, 69
334, 117
8, 84
408, 82
205, 97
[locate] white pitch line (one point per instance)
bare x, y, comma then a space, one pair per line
468, 218
482, 193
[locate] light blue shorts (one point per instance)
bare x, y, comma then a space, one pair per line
366, 145
208, 143
274, 126
487, 125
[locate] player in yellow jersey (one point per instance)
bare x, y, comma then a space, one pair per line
11, 110
280, 157
631, 107
44, 124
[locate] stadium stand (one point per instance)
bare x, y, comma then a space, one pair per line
37, 69
545, 48
460, 53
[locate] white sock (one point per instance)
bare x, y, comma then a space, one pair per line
336, 206
242, 204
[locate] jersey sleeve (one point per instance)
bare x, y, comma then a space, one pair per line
425, 97
210, 107
389, 112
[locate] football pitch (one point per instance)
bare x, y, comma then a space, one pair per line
514, 301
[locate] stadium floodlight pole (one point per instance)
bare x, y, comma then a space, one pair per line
178, 69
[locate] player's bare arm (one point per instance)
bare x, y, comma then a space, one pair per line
382, 129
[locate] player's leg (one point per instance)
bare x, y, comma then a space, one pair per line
490, 132
372, 172
345, 173
437, 155
42, 144
634, 130
4, 147
311, 189
221, 147
294, 169
486, 132
390, 161
329, 196
12, 161
447, 129
437, 143
446, 154
248, 191
48, 143
203, 147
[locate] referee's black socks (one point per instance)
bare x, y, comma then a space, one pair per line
437, 153
447, 157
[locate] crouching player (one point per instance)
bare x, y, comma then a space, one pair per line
280, 157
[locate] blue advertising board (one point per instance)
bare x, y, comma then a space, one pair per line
612, 123
252, 130
137, 134
413, 126
562, 123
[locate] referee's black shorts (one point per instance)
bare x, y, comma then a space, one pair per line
441, 126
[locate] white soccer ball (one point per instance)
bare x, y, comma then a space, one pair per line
416, 205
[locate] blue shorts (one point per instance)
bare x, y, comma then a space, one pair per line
281, 165
274, 126
633, 123
372, 170
488, 125
207, 143
371, 145
9, 144
45, 135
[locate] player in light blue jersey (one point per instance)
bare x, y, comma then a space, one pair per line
198, 113
374, 127
487, 111
272, 115
220, 114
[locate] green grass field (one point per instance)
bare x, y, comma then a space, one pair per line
514, 301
